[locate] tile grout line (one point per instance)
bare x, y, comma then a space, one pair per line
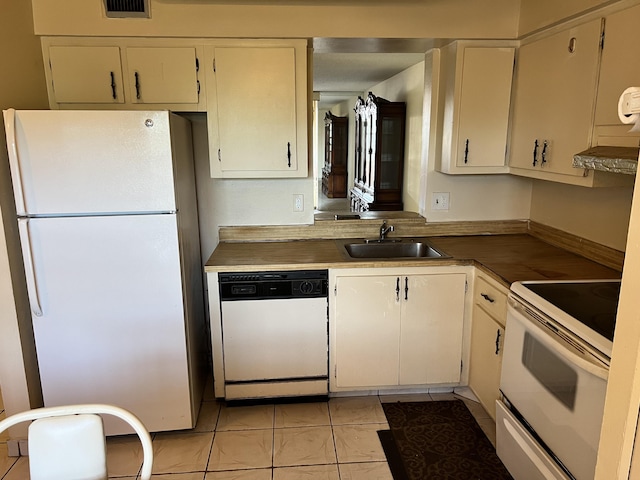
215, 433
333, 437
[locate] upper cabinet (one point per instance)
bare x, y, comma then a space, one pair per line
379, 155
114, 73
554, 104
475, 98
85, 74
619, 70
255, 92
258, 110
163, 75
555, 93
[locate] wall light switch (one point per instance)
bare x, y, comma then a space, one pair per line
440, 201
298, 202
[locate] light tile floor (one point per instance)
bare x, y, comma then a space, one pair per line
334, 440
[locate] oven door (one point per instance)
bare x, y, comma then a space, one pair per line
557, 385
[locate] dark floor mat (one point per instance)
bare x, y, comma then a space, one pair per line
438, 441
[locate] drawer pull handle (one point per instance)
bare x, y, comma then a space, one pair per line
137, 77
113, 86
497, 342
487, 297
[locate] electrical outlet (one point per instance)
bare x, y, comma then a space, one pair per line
298, 202
440, 201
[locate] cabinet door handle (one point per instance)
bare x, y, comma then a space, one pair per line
113, 86
497, 341
535, 153
545, 144
137, 85
406, 288
397, 289
487, 297
466, 151
289, 154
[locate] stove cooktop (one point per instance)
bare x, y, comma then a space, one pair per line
593, 304
586, 307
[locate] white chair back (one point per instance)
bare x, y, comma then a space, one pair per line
68, 442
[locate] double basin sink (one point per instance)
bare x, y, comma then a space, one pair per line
390, 249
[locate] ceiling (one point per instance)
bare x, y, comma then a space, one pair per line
346, 67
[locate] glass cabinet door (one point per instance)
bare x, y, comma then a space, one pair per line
379, 155
392, 147
371, 147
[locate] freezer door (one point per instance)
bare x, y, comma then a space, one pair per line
111, 325
87, 162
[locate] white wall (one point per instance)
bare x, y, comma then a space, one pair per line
599, 214
287, 18
623, 387
537, 14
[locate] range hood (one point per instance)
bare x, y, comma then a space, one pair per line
609, 159
617, 151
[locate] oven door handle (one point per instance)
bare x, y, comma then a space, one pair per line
559, 346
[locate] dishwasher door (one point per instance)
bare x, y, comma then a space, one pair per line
275, 342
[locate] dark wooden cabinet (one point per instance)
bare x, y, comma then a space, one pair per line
379, 155
334, 172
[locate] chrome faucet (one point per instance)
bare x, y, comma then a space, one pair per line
384, 230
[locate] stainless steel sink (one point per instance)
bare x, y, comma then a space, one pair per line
395, 249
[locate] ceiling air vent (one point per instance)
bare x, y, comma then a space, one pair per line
127, 8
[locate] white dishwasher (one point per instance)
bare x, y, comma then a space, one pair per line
274, 333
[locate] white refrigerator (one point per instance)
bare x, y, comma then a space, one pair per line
108, 226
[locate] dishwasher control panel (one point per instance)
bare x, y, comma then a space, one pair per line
281, 284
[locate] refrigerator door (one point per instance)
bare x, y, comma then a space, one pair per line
90, 162
111, 326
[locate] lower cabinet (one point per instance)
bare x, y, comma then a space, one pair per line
487, 339
396, 328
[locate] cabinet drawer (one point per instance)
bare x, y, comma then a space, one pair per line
491, 298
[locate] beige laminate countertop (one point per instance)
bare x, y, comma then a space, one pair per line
508, 258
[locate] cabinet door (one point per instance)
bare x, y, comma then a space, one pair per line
162, 75
484, 107
555, 92
431, 328
619, 70
256, 109
367, 324
86, 74
487, 338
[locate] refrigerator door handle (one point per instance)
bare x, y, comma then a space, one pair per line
14, 164
32, 284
